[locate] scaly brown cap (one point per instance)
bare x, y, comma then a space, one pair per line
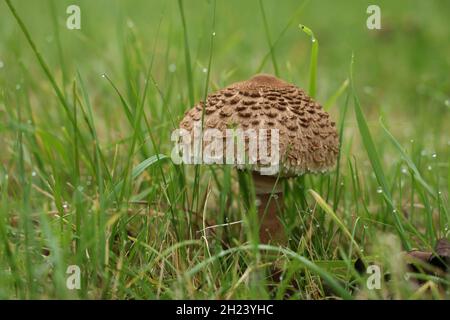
308, 137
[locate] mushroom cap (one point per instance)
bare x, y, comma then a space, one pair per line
308, 140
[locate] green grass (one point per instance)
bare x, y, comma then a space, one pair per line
85, 171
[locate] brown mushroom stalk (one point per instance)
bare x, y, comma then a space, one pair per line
269, 194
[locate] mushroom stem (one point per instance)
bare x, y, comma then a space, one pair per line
270, 205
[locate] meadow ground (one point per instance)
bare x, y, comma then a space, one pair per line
85, 174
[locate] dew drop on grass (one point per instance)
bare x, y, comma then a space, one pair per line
103, 75
33, 174
434, 155
447, 103
368, 90
172, 67
65, 205
430, 168
404, 170
205, 70
214, 34
6, 177
379, 190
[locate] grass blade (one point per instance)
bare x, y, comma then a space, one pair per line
332, 100
313, 62
332, 282
187, 55
269, 40
375, 159
408, 160
333, 215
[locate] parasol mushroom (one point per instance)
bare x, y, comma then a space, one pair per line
307, 137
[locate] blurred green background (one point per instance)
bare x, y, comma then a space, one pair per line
402, 68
